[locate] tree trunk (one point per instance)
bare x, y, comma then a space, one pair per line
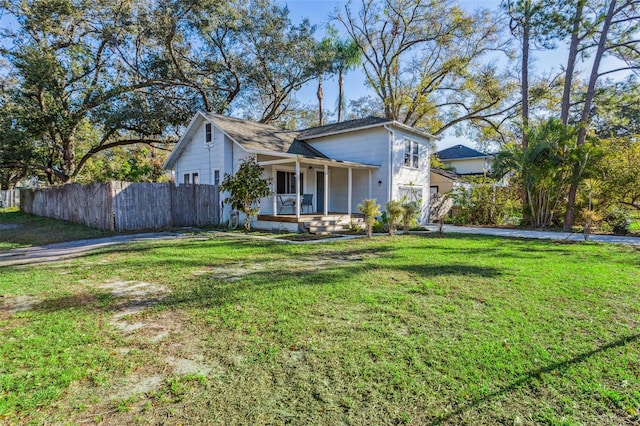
586, 112
571, 63
526, 35
320, 97
69, 156
340, 93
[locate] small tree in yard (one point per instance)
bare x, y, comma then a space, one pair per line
246, 187
411, 210
395, 212
370, 209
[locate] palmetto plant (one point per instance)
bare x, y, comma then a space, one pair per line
545, 168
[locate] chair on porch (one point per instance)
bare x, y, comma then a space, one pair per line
307, 200
287, 202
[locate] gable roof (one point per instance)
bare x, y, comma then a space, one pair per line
343, 126
254, 136
459, 152
264, 138
357, 124
251, 136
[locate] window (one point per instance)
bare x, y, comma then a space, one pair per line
286, 182
411, 154
207, 133
216, 177
191, 178
411, 193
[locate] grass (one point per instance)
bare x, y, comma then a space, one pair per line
25, 230
403, 330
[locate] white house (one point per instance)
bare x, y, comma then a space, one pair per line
321, 172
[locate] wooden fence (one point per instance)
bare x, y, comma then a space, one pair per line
123, 206
9, 198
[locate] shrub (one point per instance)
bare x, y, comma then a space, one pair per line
246, 188
619, 220
410, 213
485, 203
370, 209
395, 212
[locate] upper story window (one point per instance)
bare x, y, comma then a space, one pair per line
411, 154
208, 135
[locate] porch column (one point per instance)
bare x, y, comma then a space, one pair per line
370, 186
274, 182
297, 188
326, 190
350, 191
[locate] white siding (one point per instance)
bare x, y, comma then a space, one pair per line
201, 157
370, 146
411, 177
470, 166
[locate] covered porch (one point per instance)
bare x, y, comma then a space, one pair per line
306, 189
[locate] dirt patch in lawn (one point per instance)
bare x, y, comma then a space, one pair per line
164, 338
241, 270
12, 304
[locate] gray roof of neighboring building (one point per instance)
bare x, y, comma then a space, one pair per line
458, 152
446, 173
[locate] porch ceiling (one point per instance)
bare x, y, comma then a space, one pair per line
284, 159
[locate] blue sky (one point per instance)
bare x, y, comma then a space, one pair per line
318, 12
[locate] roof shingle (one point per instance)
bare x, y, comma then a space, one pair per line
343, 126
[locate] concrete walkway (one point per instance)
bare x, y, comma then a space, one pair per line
546, 235
60, 251
71, 249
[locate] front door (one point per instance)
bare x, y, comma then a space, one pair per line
320, 192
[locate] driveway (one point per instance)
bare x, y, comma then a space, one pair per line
60, 251
546, 235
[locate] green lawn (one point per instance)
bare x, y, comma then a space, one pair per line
19, 229
404, 330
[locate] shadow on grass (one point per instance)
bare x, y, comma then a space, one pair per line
227, 280
536, 374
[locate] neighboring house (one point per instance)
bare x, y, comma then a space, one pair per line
443, 181
466, 161
337, 165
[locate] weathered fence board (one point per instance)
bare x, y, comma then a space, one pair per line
9, 198
124, 206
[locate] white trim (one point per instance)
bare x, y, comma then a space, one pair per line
390, 159
298, 189
412, 141
310, 160
326, 190
213, 176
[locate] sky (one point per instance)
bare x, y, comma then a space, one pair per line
319, 11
